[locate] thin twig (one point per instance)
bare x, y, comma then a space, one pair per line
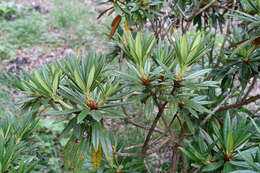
201, 10
143, 126
134, 146
238, 104
158, 116
217, 108
226, 36
153, 150
129, 154
254, 82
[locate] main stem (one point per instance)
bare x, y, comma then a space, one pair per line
176, 152
157, 118
175, 159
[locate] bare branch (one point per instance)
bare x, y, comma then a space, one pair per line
201, 10
141, 125
238, 104
158, 116
250, 88
130, 154
134, 146
153, 150
217, 108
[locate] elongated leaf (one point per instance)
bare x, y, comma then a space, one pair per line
106, 145
79, 81
227, 167
41, 81
189, 154
91, 77
190, 124
65, 112
244, 171
96, 115
96, 134
184, 48
197, 74
197, 106
229, 142
213, 166
82, 116
138, 47
256, 126
55, 82
114, 114
115, 25
227, 126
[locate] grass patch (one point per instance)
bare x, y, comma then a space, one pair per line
68, 13
25, 31
78, 24
4, 99
9, 10
6, 50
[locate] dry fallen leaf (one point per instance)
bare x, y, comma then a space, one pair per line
115, 25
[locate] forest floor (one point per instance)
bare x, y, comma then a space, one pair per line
45, 30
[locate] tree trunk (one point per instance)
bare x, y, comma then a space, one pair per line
184, 168
175, 159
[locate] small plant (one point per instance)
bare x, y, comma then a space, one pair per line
218, 150
7, 10
13, 134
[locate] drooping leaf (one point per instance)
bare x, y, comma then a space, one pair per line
115, 25
213, 166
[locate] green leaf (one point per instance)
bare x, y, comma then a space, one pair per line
196, 165
227, 126
229, 142
41, 81
82, 116
114, 104
91, 78
249, 161
197, 106
138, 46
150, 47
55, 82
189, 154
197, 74
190, 124
114, 114
79, 81
193, 113
184, 48
202, 145
213, 166
106, 145
243, 171
242, 140
69, 126
196, 41
96, 134
256, 126
96, 115
65, 112
227, 167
